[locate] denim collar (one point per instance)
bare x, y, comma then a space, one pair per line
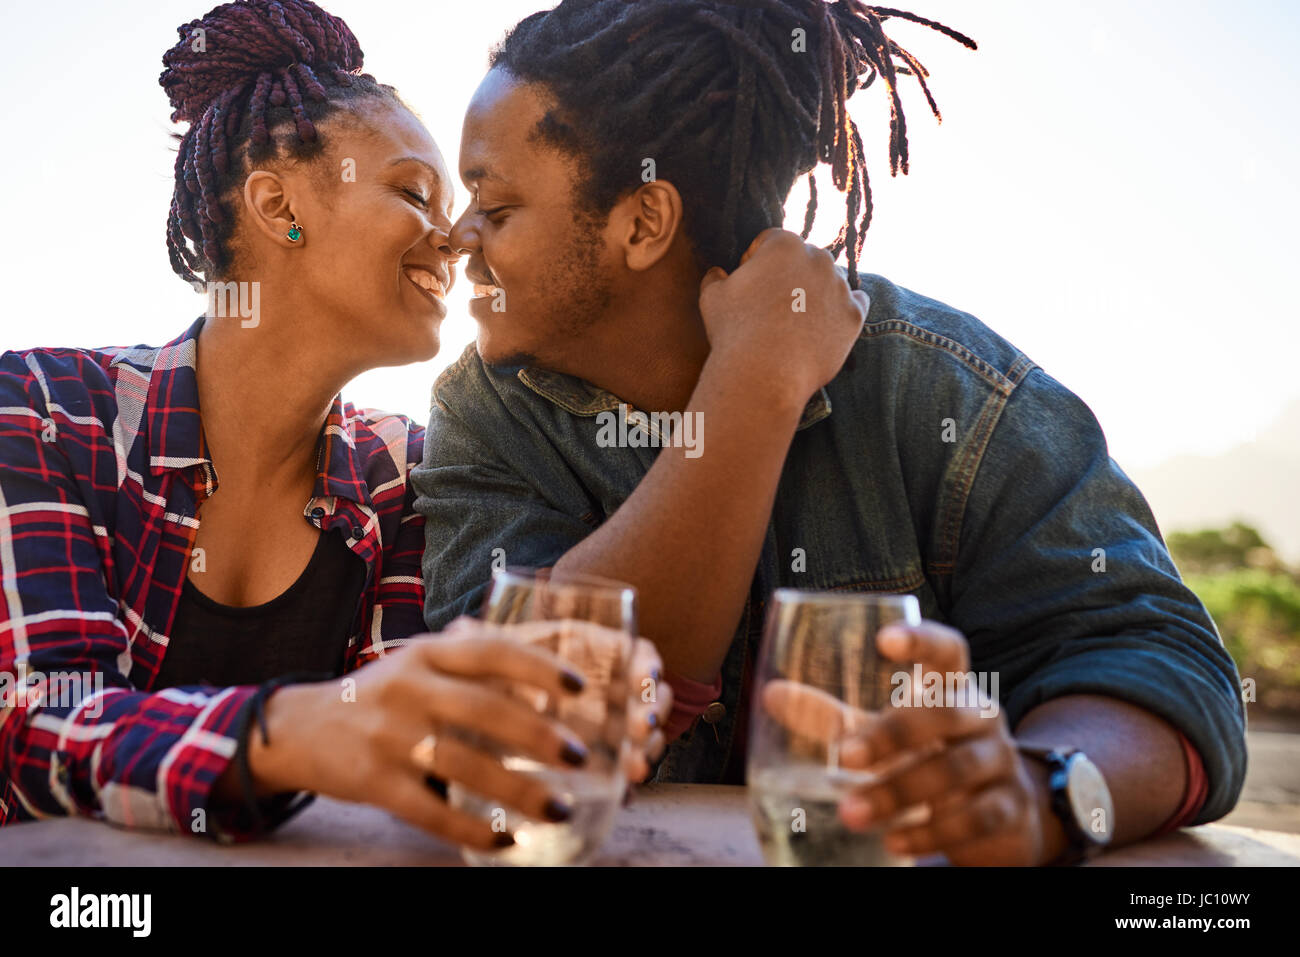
582, 398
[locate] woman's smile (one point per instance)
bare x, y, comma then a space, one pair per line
430, 284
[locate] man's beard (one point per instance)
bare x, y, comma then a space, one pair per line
579, 293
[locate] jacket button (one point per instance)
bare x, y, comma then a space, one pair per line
715, 712
358, 532
318, 513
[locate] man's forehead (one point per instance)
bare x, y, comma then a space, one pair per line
498, 126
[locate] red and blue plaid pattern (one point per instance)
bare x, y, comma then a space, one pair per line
102, 468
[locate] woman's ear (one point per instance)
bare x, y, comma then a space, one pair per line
652, 219
266, 203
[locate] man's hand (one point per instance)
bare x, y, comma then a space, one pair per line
651, 704
784, 318
986, 807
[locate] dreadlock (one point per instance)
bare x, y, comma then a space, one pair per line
734, 99
252, 79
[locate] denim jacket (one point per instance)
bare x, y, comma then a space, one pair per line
941, 461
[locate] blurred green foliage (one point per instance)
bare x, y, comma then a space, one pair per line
1254, 598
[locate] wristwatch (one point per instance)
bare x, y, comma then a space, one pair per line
1080, 799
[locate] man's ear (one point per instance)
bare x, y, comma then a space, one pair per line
267, 206
650, 219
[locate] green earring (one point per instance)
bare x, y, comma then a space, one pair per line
295, 232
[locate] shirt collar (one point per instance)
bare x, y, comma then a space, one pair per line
341, 473
582, 398
176, 433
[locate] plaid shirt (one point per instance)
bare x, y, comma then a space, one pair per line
102, 469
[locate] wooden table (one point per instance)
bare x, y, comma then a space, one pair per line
666, 825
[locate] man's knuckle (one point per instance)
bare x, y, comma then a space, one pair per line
995, 812
962, 763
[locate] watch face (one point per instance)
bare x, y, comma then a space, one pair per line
1089, 799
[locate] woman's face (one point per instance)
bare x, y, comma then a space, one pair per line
373, 266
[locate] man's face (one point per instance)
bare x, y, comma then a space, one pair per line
542, 268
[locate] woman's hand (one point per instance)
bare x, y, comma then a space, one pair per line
785, 319
356, 738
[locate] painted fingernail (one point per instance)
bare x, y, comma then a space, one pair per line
504, 839
437, 785
573, 753
556, 810
654, 675
572, 681
653, 720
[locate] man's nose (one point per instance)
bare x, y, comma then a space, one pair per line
464, 236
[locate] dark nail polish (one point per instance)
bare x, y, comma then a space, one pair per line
574, 754
653, 720
572, 681
654, 675
504, 839
436, 785
557, 810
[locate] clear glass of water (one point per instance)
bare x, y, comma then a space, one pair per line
819, 681
558, 612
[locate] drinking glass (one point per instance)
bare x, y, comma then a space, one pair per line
819, 680
558, 612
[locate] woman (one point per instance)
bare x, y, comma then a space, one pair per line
153, 534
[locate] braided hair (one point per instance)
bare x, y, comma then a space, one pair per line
733, 99
252, 79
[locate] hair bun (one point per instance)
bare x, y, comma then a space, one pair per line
290, 41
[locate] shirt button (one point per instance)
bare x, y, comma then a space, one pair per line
358, 532
715, 712
318, 513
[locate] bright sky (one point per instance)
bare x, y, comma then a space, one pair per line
1113, 189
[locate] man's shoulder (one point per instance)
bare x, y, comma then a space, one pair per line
470, 390
468, 376
923, 329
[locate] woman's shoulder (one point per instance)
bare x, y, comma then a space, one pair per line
67, 376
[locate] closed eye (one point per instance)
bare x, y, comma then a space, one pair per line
417, 196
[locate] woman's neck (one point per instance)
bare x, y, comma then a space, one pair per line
264, 394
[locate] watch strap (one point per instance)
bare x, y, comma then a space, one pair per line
1079, 846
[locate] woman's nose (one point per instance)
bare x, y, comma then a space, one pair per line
440, 239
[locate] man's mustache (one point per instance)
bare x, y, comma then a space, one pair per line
477, 272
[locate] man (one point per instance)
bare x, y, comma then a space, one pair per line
935, 459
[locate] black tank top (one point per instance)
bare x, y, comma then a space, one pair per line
306, 628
